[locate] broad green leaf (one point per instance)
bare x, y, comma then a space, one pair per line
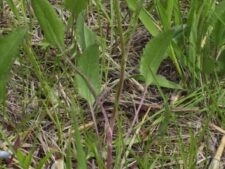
76, 6
163, 82
88, 64
85, 37
154, 54
50, 23
9, 46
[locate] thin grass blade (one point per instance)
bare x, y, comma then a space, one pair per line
81, 156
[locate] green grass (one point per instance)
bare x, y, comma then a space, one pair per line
89, 84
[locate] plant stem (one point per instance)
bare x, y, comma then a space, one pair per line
123, 54
123, 41
120, 85
137, 112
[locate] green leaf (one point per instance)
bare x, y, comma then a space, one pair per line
88, 64
145, 17
43, 161
221, 64
208, 65
163, 82
164, 15
85, 37
219, 12
50, 23
134, 4
149, 22
8, 48
177, 13
154, 54
25, 160
68, 157
218, 23
76, 6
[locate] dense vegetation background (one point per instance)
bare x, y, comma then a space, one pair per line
112, 84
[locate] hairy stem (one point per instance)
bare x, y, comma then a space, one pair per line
123, 53
120, 85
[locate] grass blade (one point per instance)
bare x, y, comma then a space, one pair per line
44, 160
25, 160
81, 158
